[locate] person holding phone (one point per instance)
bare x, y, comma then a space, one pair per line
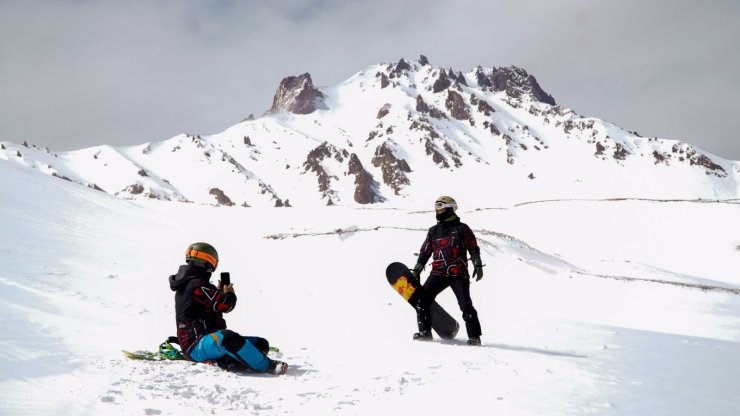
201, 327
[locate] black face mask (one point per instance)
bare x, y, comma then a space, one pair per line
445, 215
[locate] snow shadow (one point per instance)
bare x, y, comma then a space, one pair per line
513, 348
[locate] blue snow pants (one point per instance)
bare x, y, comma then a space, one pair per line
226, 342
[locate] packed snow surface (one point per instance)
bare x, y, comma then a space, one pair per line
627, 307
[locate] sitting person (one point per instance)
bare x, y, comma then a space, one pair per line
201, 328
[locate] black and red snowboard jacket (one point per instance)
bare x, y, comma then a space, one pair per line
449, 242
199, 305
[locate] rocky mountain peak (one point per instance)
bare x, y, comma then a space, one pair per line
297, 95
514, 81
400, 67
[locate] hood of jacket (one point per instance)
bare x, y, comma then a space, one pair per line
185, 274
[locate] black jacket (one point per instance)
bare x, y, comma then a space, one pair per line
199, 305
449, 242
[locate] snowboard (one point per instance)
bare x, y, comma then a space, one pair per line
403, 281
147, 356
156, 356
166, 351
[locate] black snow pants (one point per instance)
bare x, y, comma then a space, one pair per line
433, 286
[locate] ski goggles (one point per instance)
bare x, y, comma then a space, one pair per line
441, 205
203, 256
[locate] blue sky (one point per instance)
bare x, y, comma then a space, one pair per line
78, 73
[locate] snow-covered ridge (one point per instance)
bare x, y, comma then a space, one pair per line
491, 134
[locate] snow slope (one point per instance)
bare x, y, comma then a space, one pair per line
588, 307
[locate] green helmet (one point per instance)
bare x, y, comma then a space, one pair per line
445, 201
202, 254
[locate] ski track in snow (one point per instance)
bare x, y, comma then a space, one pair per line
532, 253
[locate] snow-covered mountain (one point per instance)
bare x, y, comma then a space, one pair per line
400, 133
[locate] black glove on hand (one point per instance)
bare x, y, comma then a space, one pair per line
478, 269
417, 270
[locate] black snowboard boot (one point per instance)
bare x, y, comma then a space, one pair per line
474, 341
277, 368
423, 336
229, 364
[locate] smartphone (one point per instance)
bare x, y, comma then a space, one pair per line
225, 278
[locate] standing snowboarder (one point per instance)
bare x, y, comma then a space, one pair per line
201, 328
448, 242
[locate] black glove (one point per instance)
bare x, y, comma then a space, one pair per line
478, 269
417, 270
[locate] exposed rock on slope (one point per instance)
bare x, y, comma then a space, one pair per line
297, 95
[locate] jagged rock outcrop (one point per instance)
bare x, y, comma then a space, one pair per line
314, 161
384, 110
437, 157
688, 152
459, 77
394, 169
221, 197
432, 111
366, 188
297, 95
384, 81
620, 153
442, 83
399, 68
484, 107
135, 189
455, 104
514, 81
662, 157
454, 155
599, 149
95, 187
492, 128
57, 175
